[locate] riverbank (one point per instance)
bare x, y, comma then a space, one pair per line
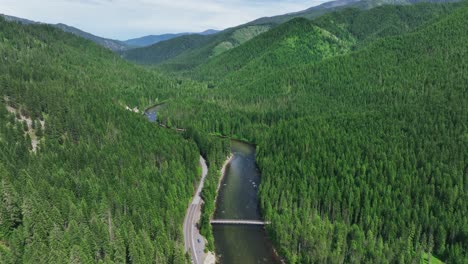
223, 172
211, 256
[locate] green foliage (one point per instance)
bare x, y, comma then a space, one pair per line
363, 152
186, 52
105, 184
295, 42
165, 50
359, 117
301, 41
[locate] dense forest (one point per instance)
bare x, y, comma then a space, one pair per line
103, 184
363, 153
359, 116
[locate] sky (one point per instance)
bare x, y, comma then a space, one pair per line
125, 19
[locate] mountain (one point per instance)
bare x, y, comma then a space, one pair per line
17, 19
195, 48
114, 45
337, 5
87, 192
209, 32
153, 39
308, 13
186, 57
302, 41
359, 119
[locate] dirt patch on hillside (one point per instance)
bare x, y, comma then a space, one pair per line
32, 130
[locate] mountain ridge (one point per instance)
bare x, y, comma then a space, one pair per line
153, 39
114, 45
188, 57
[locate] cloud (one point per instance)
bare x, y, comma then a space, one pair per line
123, 19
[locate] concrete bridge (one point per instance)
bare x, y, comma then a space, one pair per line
238, 222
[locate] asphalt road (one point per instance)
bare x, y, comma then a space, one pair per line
194, 242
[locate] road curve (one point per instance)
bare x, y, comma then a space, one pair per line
194, 242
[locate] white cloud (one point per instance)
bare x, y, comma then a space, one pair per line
122, 19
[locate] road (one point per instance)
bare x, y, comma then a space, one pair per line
194, 242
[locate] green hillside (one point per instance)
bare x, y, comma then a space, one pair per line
104, 185
111, 44
298, 41
363, 154
359, 117
338, 5
302, 41
186, 52
165, 50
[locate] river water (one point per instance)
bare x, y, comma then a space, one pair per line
152, 112
237, 199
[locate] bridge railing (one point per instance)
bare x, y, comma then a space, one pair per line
239, 222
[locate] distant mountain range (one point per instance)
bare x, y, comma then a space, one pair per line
112, 44
180, 48
153, 39
189, 51
331, 6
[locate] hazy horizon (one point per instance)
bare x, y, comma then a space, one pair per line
123, 19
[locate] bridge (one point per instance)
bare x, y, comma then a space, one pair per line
238, 222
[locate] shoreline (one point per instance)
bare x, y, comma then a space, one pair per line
153, 106
211, 256
223, 172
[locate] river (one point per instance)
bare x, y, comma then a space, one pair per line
152, 112
237, 199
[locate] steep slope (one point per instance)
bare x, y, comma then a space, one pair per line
408, 93
296, 42
114, 45
104, 185
165, 50
17, 19
192, 56
363, 154
308, 13
302, 41
332, 6
185, 51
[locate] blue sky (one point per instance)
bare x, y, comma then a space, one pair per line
124, 19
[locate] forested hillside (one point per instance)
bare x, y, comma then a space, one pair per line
186, 52
302, 41
103, 185
111, 44
359, 117
363, 155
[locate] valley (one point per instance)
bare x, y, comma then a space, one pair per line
337, 134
